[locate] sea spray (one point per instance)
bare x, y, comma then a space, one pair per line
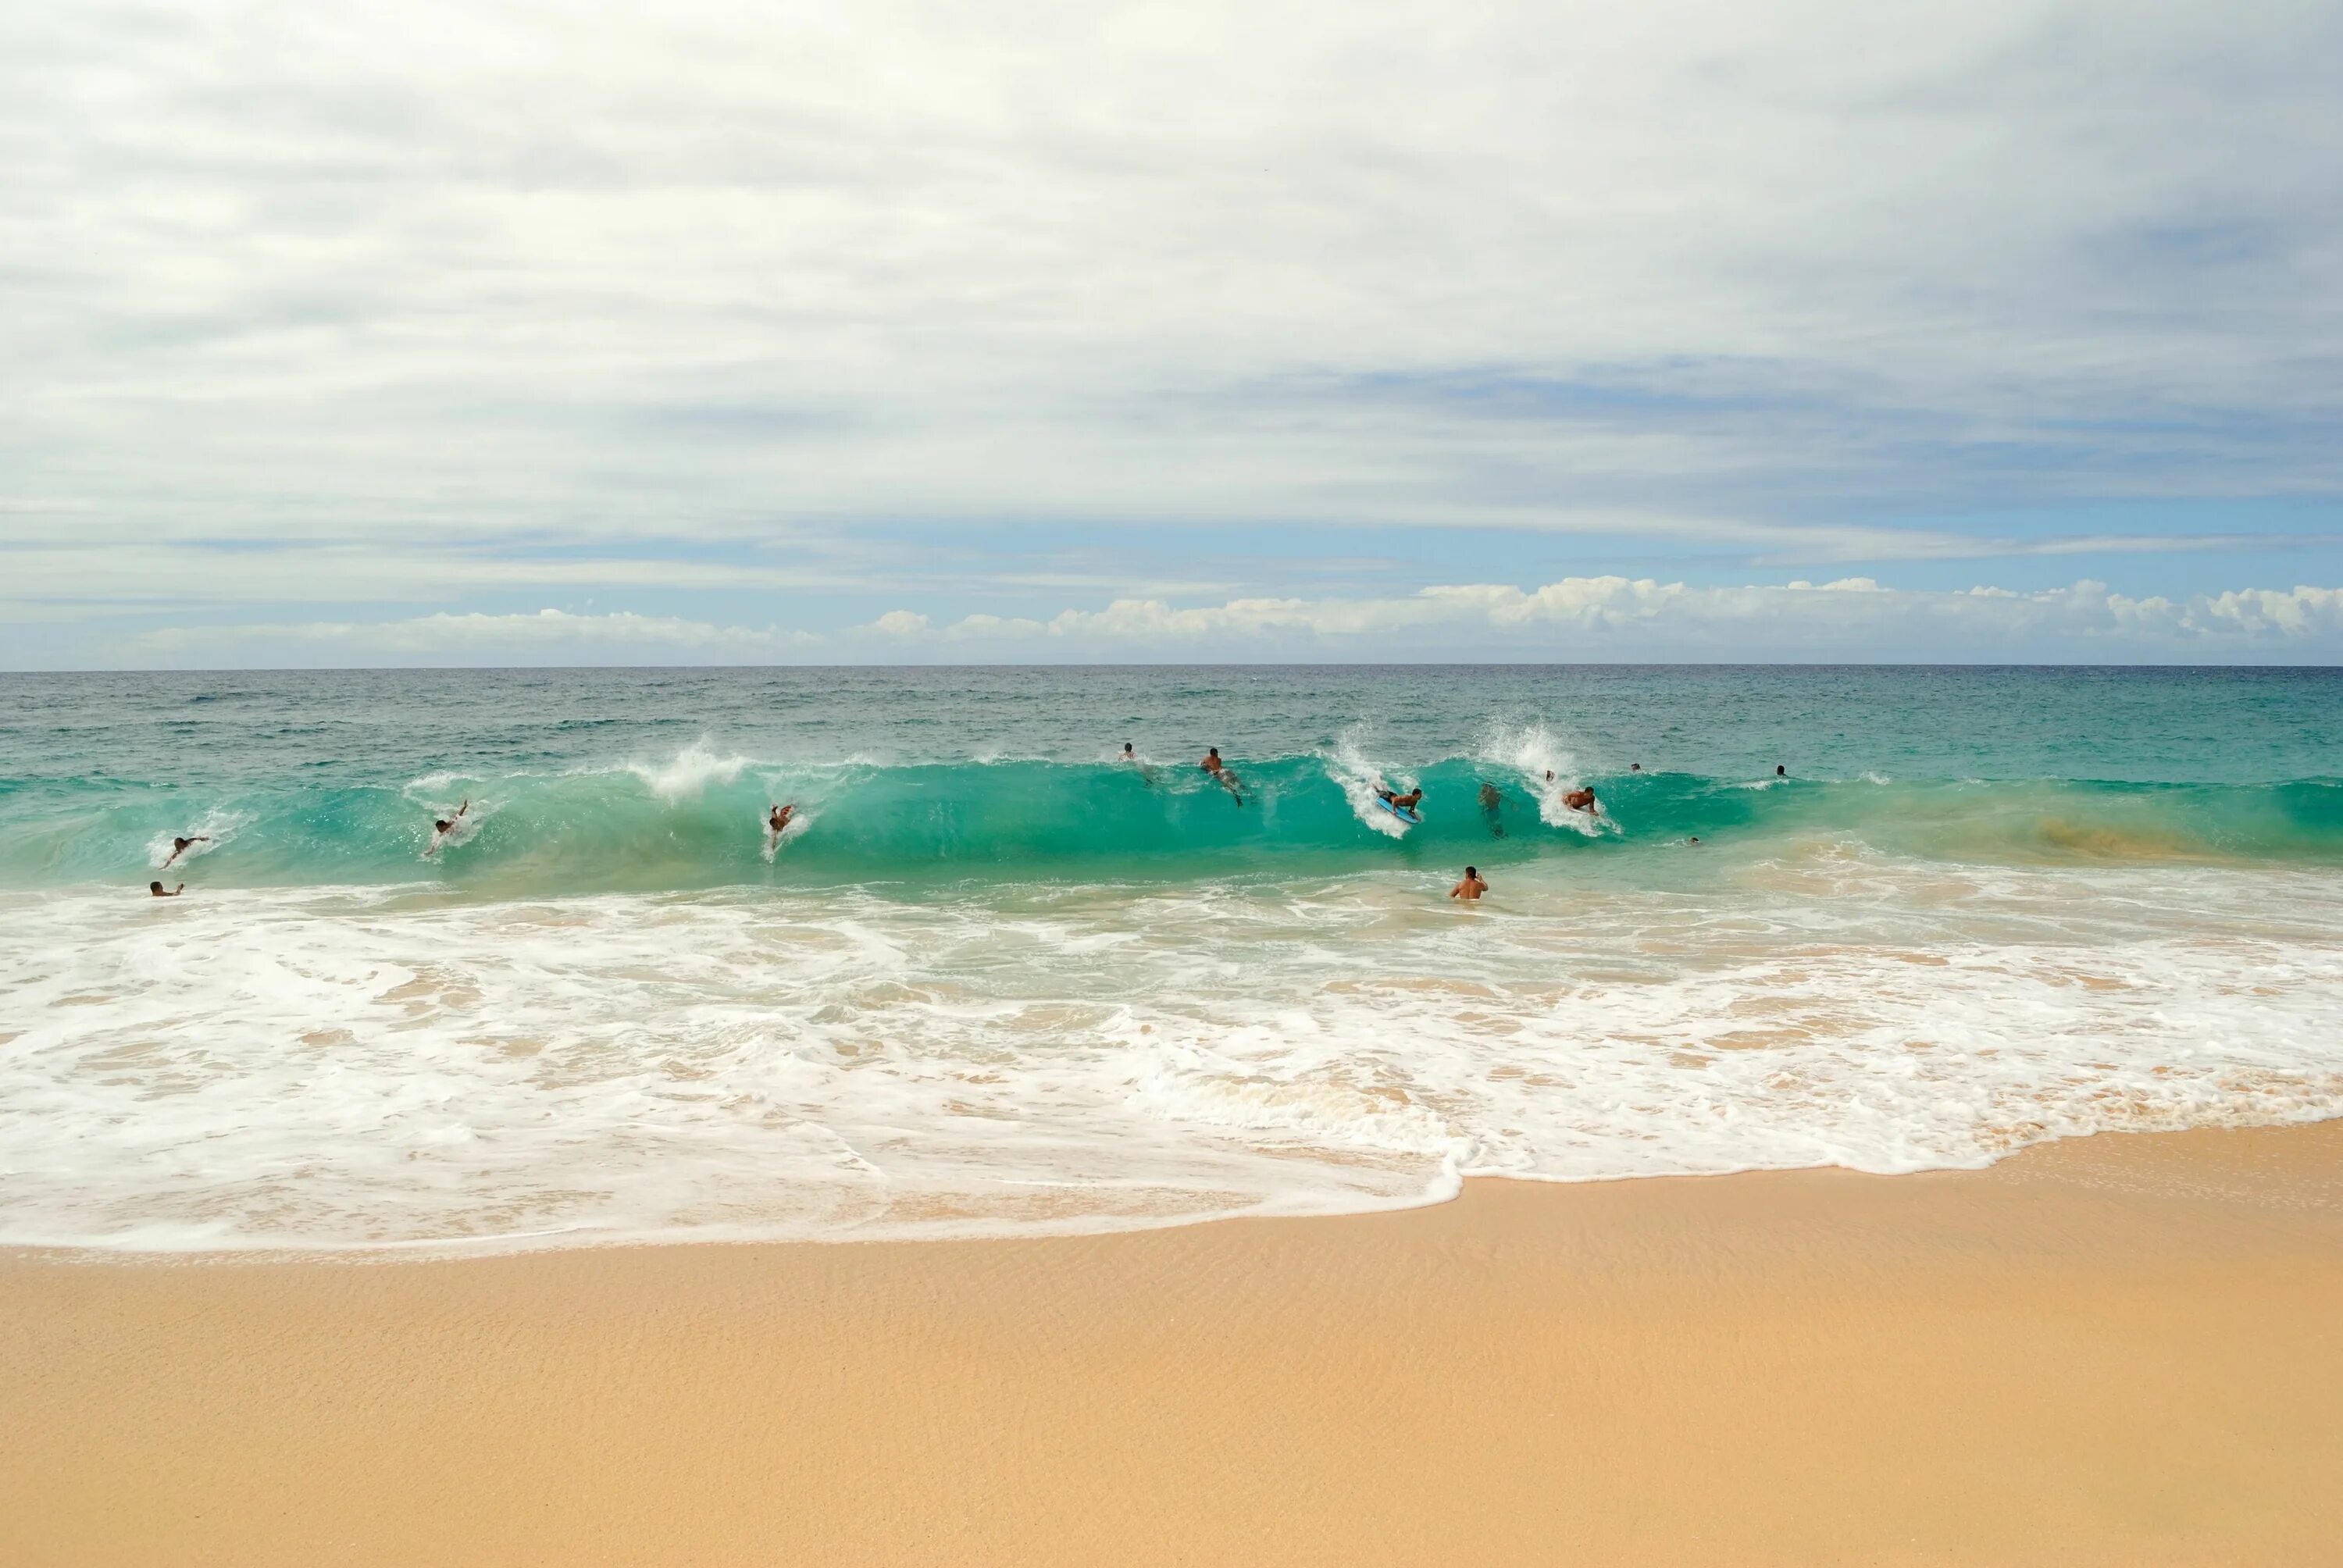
1358, 779
1545, 769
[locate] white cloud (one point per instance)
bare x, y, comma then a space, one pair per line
1604, 619
389, 275
1612, 618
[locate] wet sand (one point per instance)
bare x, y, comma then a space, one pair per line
2120, 1349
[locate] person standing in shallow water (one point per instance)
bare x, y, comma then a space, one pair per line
155, 889
1470, 889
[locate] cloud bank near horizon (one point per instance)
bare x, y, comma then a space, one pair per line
1600, 619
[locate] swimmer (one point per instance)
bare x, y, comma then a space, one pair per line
1635, 767
1583, 800
179, 847
777, 819
157, 890
442, 827
1694, 840
1221, 771
1780, 771
1406, 802
1492, 804
1130, 756
1470, 889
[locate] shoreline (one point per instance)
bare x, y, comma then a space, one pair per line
2119, 1349
486, 1249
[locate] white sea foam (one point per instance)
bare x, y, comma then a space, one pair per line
1547, 769
464, 818
689, 771
431, 786
799, 822
403, 1067
1347, 766
216, 827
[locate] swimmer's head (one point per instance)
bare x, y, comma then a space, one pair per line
155, 888
1471, 872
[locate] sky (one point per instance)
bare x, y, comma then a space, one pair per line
497, 333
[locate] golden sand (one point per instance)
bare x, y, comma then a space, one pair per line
2122, 1350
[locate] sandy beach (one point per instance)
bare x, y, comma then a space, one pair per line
2123, 1348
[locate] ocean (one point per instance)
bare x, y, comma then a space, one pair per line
993, 979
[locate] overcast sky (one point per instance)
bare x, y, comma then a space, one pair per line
501, 333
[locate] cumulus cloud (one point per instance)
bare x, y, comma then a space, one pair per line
1596, 619
1619, 618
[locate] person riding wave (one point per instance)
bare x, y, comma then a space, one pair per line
443, 825
1221, 771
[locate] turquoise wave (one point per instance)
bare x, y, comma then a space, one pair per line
698, 823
